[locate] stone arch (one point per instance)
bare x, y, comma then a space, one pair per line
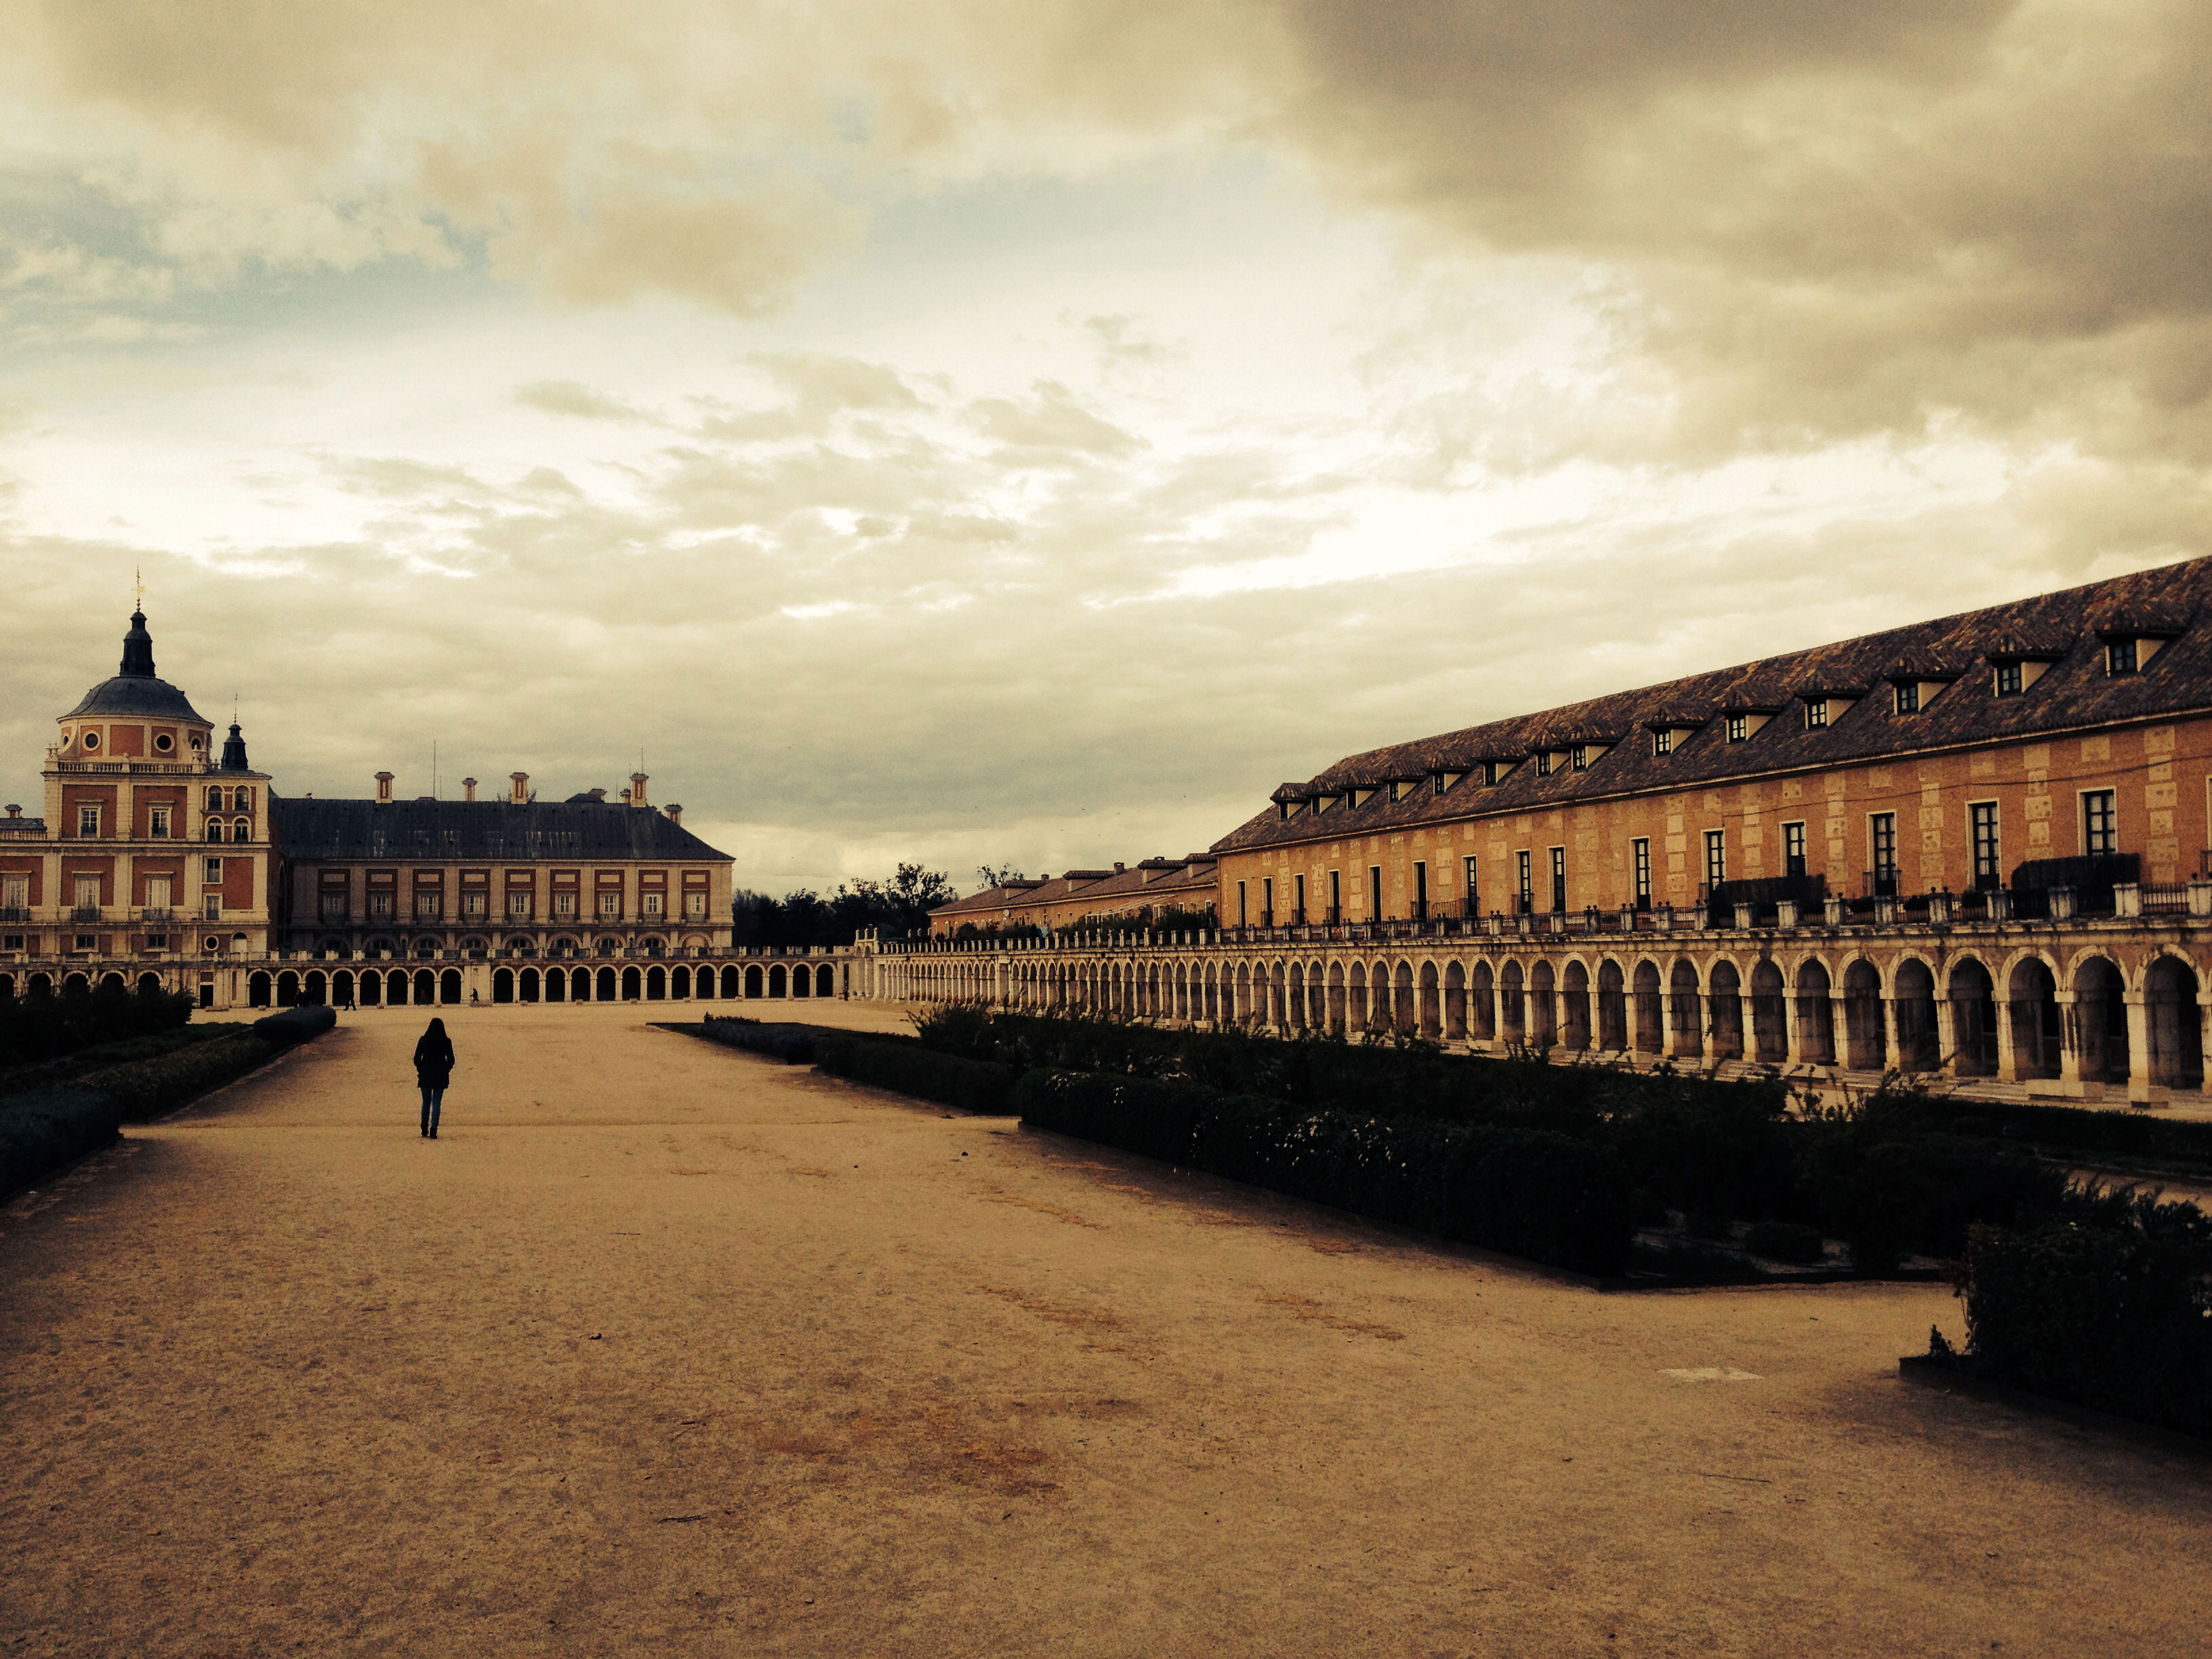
1337, 999
1682, 1006
779, 979
579, 984
1355, 997
76, 984
1612, 1007
604, 987
449, 986
2100, 1020
1295, 1003
632, 983
1724, 1009
1279, 1000
528, 985
756, 986
1913, 1014
314, 987
1512, 1004
1651, 1027
288, 989
503, 985
1454, 1002
1402, 1015
1482, 1003
1574, 1007
825, 981
1973, 1019
1770, 1014
1866, 1032
1816, 1014
802, 980
2174, 1024
2038, 1031
656, 983
1431, 1018
1543, 1006
257, 989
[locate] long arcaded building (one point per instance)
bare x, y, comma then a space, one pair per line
1975, 845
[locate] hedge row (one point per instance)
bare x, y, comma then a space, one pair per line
296, 1024
904, 1066
36, 1028
1529, 1193
2123, 1133
41, 1132
792, 1044
147, 1089
2108, 1307
55, 1073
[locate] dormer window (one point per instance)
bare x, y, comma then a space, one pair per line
1908, 698
1739, 728
1816, 713
2008, 680
1579, 757
1543, 763
1489, 773
2121, 657
1662, 741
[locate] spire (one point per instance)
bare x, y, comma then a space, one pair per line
234, 752
138, 647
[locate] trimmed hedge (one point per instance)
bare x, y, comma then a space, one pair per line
2073, 1128
297, 1025
904, 1066
2110, 1308
36, 1028
149, 1088
54, 1074
1529, 1193
41, 1132
792, 1044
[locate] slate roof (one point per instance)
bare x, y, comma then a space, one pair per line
138, 694
2174, 601
455, 830
1155, 881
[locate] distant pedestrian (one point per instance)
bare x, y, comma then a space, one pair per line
433, 1068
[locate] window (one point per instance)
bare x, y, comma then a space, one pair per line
1579, 757
86, 942
564, 904
241, 830
88, 821
1489, 773
215, 800
379, 907
1882, 838
1908, 698
695, 904
157, 823
1335, 896
651, 903
1639, 858
1375, 892
1524, 892
1266, 900
1982, 827
1242, 917
214, 872
86, 889
214, 829
1543, 763
428, 903
213, 906
1816, 713
1437, 785
334, 906
1739, 727
610, 903
157, 941
2101, 824
1298, 899
92, 740
1793, 849
1474, 890
1716, 858
2121, 657
1558, 879
517, 905
472, 904
241, 800
1420, 892
1662, 741
2009, 679
15, 893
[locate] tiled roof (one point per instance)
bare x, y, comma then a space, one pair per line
480, 829
1154, 881
2075, 691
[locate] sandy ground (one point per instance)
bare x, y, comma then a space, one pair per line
663, 1348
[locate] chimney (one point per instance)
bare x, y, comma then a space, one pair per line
518, 788
384, 787
675, 813
637, 789
598, 795
468, 788
625, 798
14, 811
1117, 866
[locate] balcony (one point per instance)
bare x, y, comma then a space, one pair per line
157, 912
14, 913
84, 912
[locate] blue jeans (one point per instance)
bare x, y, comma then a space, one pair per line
432, 1099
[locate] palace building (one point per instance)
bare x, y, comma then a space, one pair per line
1977, 845
163, 858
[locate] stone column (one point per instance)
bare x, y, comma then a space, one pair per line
1947, 1035
2069, 1044
2141, 1088
2007, 1042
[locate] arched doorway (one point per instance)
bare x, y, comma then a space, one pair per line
602, 986
1724, 1002
656, 984
630, 984
2033, 992
257, 990
149, 985
754, 983
1770, 1014
288, 989
1866, 1045
1574, 1008
1611, 1008
2100, 1020
1355, 997
1918, 1044
449, 986
528, 985
679, 983
1402, 1015
1816, 1015
1338, 999
2176, 1025
1455, 1003
1512, 1010
503, 985
1973, 1020
733, 983
1650, 1028
1543, 1008
1682, 996
777, 980
1481, 1004
802, 982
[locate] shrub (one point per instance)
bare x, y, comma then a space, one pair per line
906, 1067
1785, 1241
147, 1088
296, 1024
1527, 1192
792, 1044
2071, 1128
36, 1028
52, 1074
2108, 1305
41, 1132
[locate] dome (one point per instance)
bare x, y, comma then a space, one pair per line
135, 690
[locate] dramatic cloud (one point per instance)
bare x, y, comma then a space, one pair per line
1028, 431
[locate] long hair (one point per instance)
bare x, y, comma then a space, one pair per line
437, 1029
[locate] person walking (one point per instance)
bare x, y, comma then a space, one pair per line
433, 1068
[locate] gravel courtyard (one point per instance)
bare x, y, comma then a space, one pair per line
662, 1348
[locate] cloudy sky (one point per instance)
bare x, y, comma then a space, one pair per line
1030, 430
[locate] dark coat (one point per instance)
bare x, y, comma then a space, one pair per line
434, 1061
